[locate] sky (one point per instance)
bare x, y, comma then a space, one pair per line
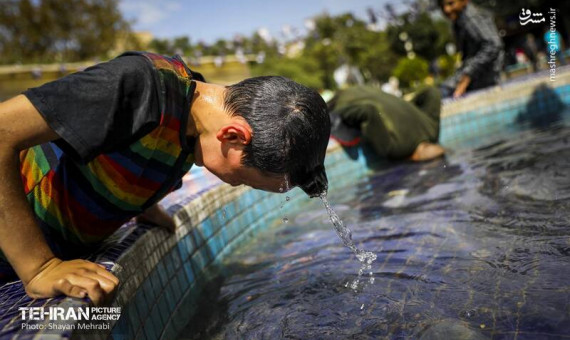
210, 20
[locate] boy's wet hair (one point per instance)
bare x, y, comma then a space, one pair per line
290, 126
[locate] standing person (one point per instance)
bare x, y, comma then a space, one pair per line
480, 45
553, 41
393, 127
82, 155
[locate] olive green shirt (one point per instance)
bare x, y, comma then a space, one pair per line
393, 126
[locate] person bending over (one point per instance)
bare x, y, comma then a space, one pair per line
82, 155
393, 127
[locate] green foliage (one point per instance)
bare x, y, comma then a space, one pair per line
410, 71
69, 30
58, 30
427, 36
346, 39
179, 45
302, 70
446, 65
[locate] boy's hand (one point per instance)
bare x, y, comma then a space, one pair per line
76, 278
157, 216
462, 86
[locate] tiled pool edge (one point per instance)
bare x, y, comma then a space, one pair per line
159, 276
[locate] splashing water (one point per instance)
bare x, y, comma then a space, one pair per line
365, 257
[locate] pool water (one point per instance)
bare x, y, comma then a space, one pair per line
476, 244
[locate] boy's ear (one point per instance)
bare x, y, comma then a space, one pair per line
235, 133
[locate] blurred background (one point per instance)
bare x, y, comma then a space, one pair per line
324, 44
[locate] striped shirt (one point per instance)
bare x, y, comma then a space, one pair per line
83, 203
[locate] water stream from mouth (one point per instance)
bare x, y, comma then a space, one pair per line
365, 257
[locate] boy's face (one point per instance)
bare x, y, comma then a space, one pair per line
222, 153
453, 8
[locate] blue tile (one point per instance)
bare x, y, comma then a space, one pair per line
163, 307
189, 272
141, 303
197, 236
183, 280
183, 249
133, 316
153, 330
214, 246
162, 273
156, 283
207, 228
168, 264
148, 331
148, 291
198, 260
157, 317
121, 329
176, 289
190, 246
176, 261
171, 302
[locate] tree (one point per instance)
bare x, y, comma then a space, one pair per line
58, 30
302, 70
346, 39
410, 71
428, 37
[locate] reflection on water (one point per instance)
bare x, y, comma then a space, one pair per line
474, 246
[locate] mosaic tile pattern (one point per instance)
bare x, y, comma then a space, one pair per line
162, 274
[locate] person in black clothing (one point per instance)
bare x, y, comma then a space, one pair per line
480, 45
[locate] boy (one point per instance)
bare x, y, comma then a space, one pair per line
480, 45
90, 151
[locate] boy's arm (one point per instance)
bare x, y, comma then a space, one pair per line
155, 214
21, 240
483, 29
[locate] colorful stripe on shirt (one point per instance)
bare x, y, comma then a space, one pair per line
85, 203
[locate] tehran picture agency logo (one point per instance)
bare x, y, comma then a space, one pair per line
59, 318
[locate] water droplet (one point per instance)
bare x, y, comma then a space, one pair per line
467, 314
285, 220
287, 198
362, 307
354, 284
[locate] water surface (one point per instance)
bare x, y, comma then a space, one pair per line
479, 240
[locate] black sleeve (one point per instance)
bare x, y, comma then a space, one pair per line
102, 108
